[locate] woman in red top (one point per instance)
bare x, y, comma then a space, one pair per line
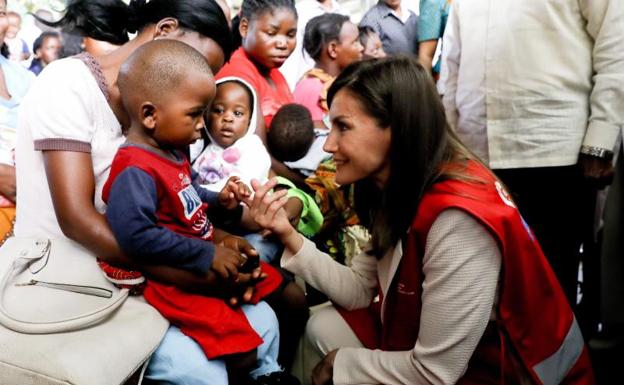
268, 29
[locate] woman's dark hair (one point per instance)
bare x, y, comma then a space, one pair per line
320, 31
113, 20
251, 9
364, 34
401, 96
73, 44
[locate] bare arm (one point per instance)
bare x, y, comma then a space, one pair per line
7, 181
426, 51
450, 66
73, 204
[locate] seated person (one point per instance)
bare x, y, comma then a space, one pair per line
158, 212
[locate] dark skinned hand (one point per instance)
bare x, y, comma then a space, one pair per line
244, 282
598, 171
323, 373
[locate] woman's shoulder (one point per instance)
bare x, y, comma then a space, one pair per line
240, 66
65, 73
67, 66
66, 79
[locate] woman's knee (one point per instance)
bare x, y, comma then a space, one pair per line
327, 330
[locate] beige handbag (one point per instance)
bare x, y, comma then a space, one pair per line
64, 323
53, 287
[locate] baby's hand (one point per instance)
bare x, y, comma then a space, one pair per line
234, 192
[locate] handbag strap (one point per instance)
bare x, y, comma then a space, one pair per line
23, 262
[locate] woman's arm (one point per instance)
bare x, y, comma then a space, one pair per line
72, 188
7, 181
461, 265
426, 51
351, 288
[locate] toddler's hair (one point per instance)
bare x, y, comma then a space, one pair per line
291, 133
156, 69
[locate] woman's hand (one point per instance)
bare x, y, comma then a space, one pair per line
266, 209
323, 373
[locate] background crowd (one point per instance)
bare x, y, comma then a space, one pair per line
533, 89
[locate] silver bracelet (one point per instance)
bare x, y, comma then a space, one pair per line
598, 152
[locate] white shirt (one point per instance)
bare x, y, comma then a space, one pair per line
65, 110
299, 61
526, 83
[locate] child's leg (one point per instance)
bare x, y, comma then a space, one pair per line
290, 306
179, 360
263, 320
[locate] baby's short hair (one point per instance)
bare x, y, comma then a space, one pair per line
156, 69
291, 134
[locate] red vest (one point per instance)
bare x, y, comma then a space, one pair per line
534, 318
